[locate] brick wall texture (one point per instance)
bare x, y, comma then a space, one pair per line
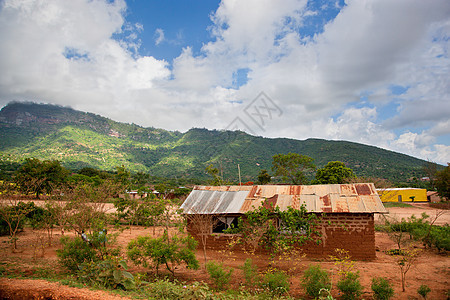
353, 232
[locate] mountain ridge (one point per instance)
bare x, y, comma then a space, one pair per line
80, 139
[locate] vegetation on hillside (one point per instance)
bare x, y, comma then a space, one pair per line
78, 140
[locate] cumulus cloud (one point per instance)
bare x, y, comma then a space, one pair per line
333, 84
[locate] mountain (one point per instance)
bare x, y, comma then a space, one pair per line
79, 139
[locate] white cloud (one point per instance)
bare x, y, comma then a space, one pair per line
50, 52
159, 36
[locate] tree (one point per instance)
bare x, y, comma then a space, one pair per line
165, 250
214, 172
12, 211
49, 174
202, 225
334, 172
405, 261
442, 182
292, 166
264, 177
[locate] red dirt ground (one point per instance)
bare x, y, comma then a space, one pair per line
432, 268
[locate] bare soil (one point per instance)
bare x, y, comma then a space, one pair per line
432, 268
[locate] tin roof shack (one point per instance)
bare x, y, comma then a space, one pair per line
347, 212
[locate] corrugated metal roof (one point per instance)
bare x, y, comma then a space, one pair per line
330, 198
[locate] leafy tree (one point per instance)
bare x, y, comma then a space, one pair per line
166, 250
214, 172
40, 176
264, 177
123, 177
442, 182
292, 166
334, 172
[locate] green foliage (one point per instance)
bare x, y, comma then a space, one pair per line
276, 282
420, 229
264, 177
75, 252
314, 279
145, 211
110, 273
350, 286
215, 174
442, 182
165, 250
250, 272
15, 215
275, 230
166, 289
292, 166
382, 288
334, 172
218, 273
40, 176
84, 140
423, 290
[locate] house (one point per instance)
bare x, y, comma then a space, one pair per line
346, 210
433, 196
403, 195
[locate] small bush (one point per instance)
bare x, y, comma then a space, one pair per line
109, 273
75, 252
423, 291
218, 274
165, 289
382, 289
350, 286
315, 279
250, 272
276, 283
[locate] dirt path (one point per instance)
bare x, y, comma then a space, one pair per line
25, 289
416, 209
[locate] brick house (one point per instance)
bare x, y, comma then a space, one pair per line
347, 212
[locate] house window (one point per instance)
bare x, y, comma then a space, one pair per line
223, 223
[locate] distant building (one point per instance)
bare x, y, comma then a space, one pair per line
403, 195
433, 196
347, 212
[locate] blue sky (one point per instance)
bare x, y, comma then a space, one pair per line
369, 71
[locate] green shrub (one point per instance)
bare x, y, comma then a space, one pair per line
218, 274
109, 273
165, 289
75, 252
314, 279
250, 272
423, 291
440, 237
276, 283
382, 289
165, 250
350, 286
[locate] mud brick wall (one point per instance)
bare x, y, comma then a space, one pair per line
352, 232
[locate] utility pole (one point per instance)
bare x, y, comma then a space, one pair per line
239, 171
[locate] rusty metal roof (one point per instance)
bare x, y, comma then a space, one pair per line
329, 198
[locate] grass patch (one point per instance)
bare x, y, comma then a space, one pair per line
396, 204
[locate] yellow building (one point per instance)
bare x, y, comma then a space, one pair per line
403, 195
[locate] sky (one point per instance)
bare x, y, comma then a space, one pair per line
369, 71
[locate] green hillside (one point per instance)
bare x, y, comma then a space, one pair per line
80, 139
